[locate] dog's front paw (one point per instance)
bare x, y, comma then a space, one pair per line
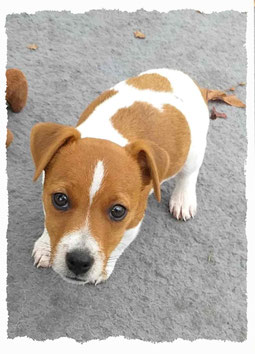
42, 251
183, 206
101, 279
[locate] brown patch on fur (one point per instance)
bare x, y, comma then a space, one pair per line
153, 82
65, 174
167, 128
17, 89
90, 109
46, 139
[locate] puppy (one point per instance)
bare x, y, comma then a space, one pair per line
98, 175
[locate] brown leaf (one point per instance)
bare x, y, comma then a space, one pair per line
215, 114
32, 46
232, 88
139, 34
242, 84
215, 95
232, 100
9, 137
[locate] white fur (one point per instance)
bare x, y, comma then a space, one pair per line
83, 240
100, 125
42, 250
127, 238
43, 177
183, 202
97, 180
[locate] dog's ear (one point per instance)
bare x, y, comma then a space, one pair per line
153, 162
46, 139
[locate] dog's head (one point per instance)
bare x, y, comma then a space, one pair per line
95, 194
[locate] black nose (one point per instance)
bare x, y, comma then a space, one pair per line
79, 262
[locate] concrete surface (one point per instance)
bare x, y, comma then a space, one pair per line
177, 279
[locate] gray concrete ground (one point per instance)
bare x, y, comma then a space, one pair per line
177, 279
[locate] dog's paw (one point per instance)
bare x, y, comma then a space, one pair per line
102, 278
183, 206
42, 253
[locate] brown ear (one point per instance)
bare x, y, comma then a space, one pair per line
153, 162
46, 139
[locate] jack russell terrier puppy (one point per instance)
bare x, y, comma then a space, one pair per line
98, 175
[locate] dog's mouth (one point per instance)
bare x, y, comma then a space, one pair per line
74, 280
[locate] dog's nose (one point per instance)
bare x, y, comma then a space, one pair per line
79, 262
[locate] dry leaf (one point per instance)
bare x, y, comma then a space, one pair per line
215, 114
232, 100
242, 84
139, 34
32, 46
215, 95
232, 88
9, 137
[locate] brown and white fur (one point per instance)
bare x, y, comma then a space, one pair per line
129, 140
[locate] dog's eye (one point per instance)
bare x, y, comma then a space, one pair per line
118, 212
60, 201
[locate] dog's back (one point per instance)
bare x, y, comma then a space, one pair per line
164, 106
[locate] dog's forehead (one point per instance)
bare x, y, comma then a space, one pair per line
91, 162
